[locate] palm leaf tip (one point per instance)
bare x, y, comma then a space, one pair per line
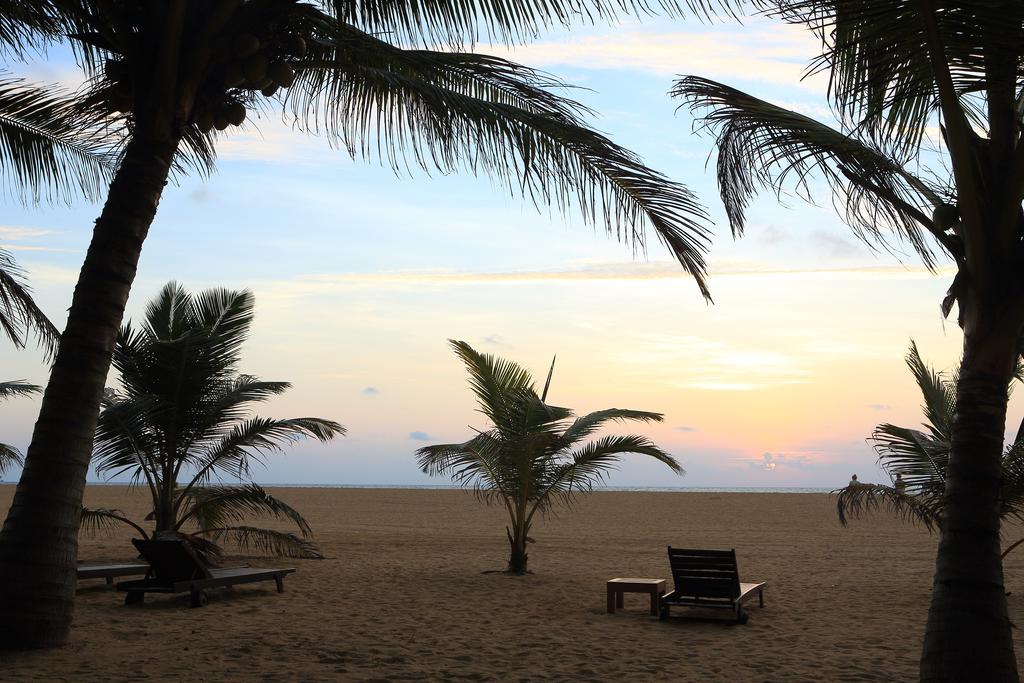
855, 501
761, 145
19, 313
215, 506
268, 541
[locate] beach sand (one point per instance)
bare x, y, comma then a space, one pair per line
403, 596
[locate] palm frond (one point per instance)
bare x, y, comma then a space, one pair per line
497, 383
49, 149
449, 110
125, 441
19, 313
207, 549
479, 463
761, 145
10, 457
216, 506
853, 502
1012, 498
877, 55
224, 403
591, 462
28, 26
919, 458
939, 395
586, 425
590, 465
455, 23
267, 541
254, 438
18, 387
102, 520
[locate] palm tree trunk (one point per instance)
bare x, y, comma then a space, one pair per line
517, 558
968, 634
39, 540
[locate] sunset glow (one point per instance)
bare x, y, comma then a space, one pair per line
361, 277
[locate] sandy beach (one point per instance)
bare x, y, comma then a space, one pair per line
403, 595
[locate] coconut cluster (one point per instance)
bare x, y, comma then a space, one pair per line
245, 62
254, 63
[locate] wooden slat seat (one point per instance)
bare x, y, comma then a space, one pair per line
708, 578
110, 571
175, 568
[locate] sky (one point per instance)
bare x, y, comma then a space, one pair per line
361, 276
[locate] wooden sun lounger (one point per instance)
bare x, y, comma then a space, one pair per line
177, 569
110, 571
708, 578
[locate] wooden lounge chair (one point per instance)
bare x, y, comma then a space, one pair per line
708, 578
110, 571
177, 569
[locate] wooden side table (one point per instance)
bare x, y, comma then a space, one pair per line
616, 587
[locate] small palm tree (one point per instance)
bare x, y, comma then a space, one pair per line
530, 458
9, 455
918, 460
181, 422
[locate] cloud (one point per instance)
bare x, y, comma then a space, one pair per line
684, 428
830, 243
770, 462
30, 247
879, 406
420, 436
370, 391
733, 365
649, 270
722, 386
762, 50
493, 340
17, 232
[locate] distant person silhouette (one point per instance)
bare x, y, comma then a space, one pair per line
853, 482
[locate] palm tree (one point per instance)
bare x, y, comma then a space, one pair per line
530, 458
919, 459
171, 76
181, 421
897, 68
9, 455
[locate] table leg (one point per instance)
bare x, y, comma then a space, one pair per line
655, 599
618, 598
611, 600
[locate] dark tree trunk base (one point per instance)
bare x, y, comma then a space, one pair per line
968, 635
39, 539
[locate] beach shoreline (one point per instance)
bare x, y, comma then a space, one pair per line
403, 594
